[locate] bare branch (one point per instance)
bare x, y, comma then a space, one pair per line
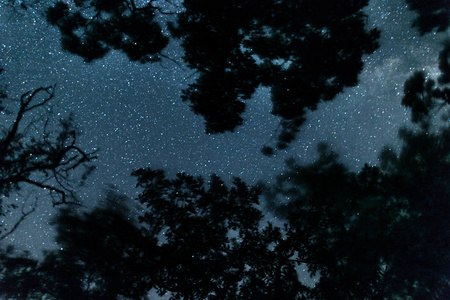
62, 194
25, 100
172, 60
49, 90
47, 158
22, 218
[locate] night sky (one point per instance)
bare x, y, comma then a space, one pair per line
133, 112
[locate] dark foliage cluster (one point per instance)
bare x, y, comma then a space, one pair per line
381, 233
195, 242
296, 48
432, 15
93, 28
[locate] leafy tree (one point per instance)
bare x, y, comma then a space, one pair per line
444, 65
424, 98
91, 29
383, 232
35, 154
420, 174
334, 227
19, 276
298, 49
195, 243
212, 246
101, 255
434, 15
377, 234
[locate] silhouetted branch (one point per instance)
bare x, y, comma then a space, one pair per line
25, 101
24, 215
172, 60
41, 157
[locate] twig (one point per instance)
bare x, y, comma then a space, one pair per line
22, 218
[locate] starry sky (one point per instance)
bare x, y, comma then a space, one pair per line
133, 112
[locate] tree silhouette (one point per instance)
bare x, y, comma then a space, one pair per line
420, 174
20, 279
377, 234
444, 65
196, 242
212, 246
305, 51
101, 255
383, 232
298, 49
424, 98
333, 226
91, 29
433, 14
33, 153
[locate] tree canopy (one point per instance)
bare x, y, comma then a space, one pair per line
194, 242
101, 255
296, 48
382, 232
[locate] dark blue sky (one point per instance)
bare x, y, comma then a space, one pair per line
134, 114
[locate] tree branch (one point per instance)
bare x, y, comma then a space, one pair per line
25, 100
22, 218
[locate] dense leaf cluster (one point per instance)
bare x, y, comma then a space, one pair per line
381, 233
296, 48
432, 15
96, 27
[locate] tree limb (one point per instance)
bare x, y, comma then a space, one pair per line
24, 215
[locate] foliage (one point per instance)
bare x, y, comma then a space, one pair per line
211, 242
295, 48
432, 14
196, 243
101, 255
92, 28
423, 97
19, 276
383, 232
444, 66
